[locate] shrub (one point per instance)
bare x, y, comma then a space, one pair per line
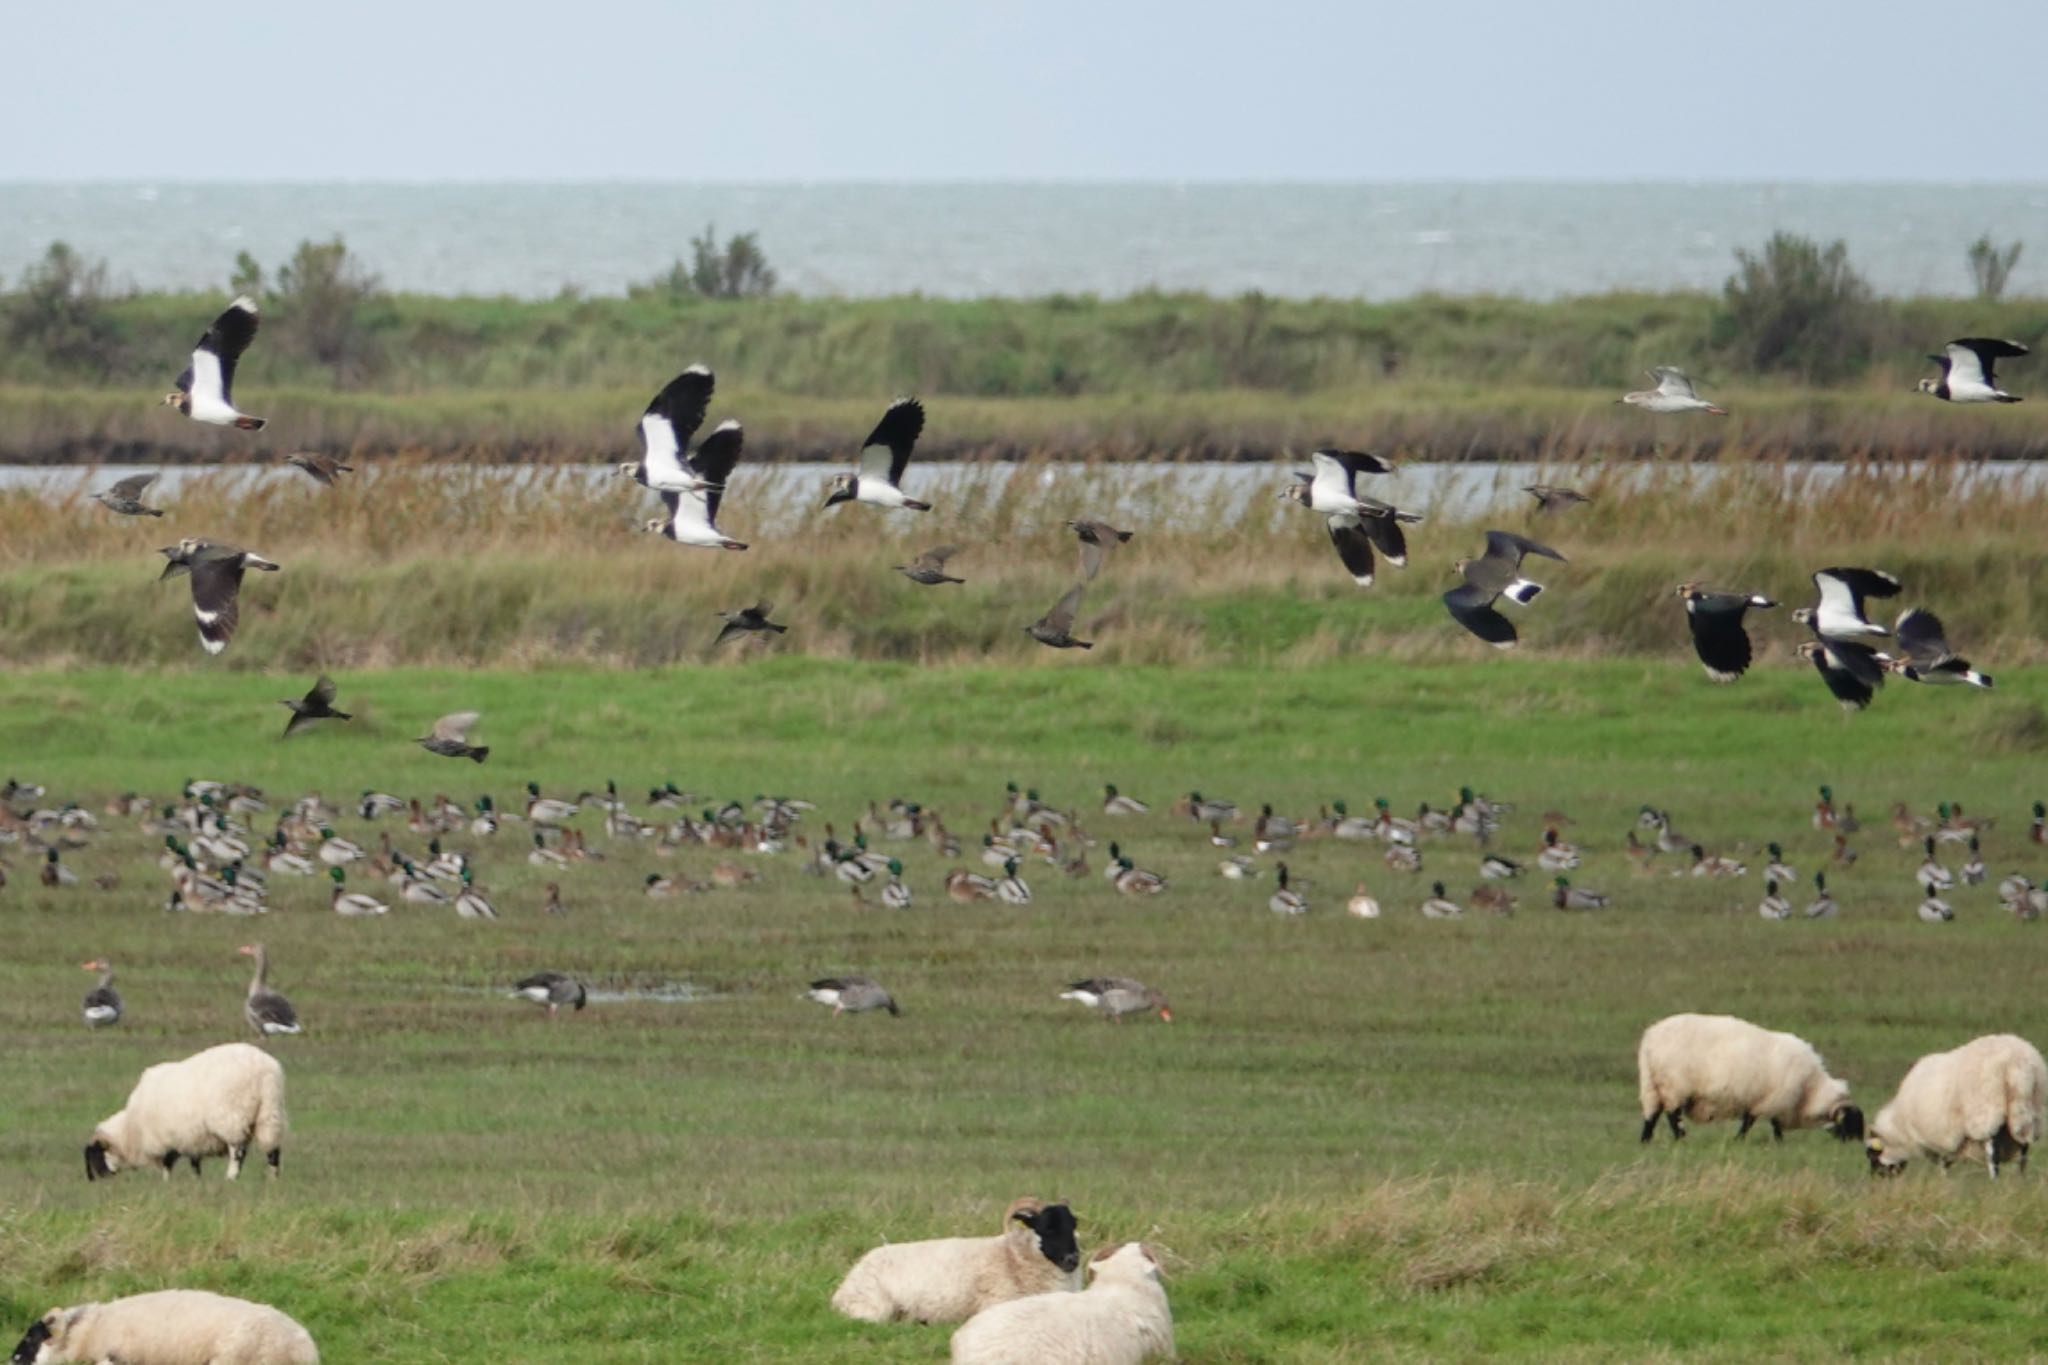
323, 294
60, 314
1991, 266
737, 270
1798, 308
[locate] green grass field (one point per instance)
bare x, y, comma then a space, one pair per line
1357, 1140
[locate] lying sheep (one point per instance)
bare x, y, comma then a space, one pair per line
1120, 1319
218, 1101
1712, 1066
953, 1278
1985, 1099
170, 1327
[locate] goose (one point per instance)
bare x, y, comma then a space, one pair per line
1115, 802
1237, 869
853, 995
1931, 875
1097, 539
54, 873
1565, 896
1935, 910
1441, 906
1928, 656
671, 419
747, 620
1716, 866
693, 513
1773, 906
1973, 872
471, 903
1718, 637
553, 989
1778, 870
216, 569
884, 458
1487, 578
267, 1011
1557, 856
102, 1002
1674, 393
1823, 905
320, 468
1403, 858
1496, 900
352, 903
450, 737
1115, 996
1011, 890
1136, 881
317, 704
895, 894
1852, 671
964, 887
1494, 868
929, 568
1967, 370
1056, 627
279, 857
204, 391
1286, 900
543, 856
1362, 905
1840, 612
546, 810
1554, 499
124, 497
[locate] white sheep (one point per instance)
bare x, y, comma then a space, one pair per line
953, 1278
222, 1100
1713, 1066
1985, 1099
169, 1327
1120, 1319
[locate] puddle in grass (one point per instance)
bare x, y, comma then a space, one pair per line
624, 992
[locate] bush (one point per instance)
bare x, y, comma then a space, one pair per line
738, 270
60, 315
1798, 308
1991, 266
323, 294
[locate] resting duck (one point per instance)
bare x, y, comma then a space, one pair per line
1774, 906
1349, 826
336, 851
486, 822
1824, 810
1778, 869
2038, 831
1973, 872
1273, 833
55, 873
1496, 900
1136, 881
967, 887
1286, 900
543, 856
1237, 869
1115, 802
472, 903
895, 894
553, 904
102, 1002
1716, 866
1931, 875
1403, 858
658, 887
1441, 906
1011, 890
347, 902
1557, 856
1362, 905
546, 810
1494, 868
1935, 910
279, 858
412, 887
1823, 905
1565, 896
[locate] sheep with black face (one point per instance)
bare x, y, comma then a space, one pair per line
1705, 1067
953, 1278
220, 1102
169, 1327
1987, 1099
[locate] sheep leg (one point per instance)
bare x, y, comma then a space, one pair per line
273, 1156
1748, 1122
1777, 1131
1671, 1116
1650, 1125
170, 1163
195, 1166
235, 1157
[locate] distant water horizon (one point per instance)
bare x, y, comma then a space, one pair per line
1530, 239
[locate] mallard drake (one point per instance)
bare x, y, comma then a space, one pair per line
267, 1011
1441, 906
486, 822
374, 804
1716, 866
54, 873
658, 887
279, 858
1931, 875
1136, 881
1273, 833
1824, 810
853, 995
1115, 996
1565, 896
1362, 905
1285, 900
1495, 868
1557, 856
1823, 905
895, 894
1011, 890
243, 898
336, 851
1349, 826
1779, 870
543, 856
996, 851
347, 902
102, 1002
417, 889
445, 865
1935, 910
1238, 869
553, 989
1204, 810
471, 903
1115, 802
966, 887
1973, 872
546, 810
1774, 906
1494, 899
1403, 858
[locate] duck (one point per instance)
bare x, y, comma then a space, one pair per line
54, 873
658, 887
1565, 896
853, 995
1273, 833
1493, 899
102, 1003
1773, 906
1495, 868
1823, 905
543, 856
1285, 900
1931, 875
995, 852
884, 459
1204, 810
336, 851
1115, 802
267, 1011
1441, 906
1115, 996
1391, 828
1973, 872
1349, 826
445, 865
967, 887
1237, 869
1778, 869
279, 858
1640, 854
1011, 890
375, 803
1824, 810
1557, 856
485, 823
471, 903
546, 810
1218, 839
2037, 832
895, 894
553, 989
1935, 910
1136, 881
730, 875
347, 902
1716, 866
417, 889
1362, 905
1403, 858
1843, 853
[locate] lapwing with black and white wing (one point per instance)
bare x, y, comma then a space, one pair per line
1333, 486
1674, 393
884, 457
1718, 637
665, 429
1967, 370
1493, 575
204, 390
124, 497
216, 571
693, 513
1929, 659
1852, 670
1840, 612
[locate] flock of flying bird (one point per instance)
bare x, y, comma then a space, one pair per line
692, 483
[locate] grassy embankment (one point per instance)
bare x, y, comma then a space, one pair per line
1140, 377
1397, 1138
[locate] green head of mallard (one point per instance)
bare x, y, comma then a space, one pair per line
335, 875
895, 867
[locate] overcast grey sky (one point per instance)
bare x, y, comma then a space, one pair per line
949, 89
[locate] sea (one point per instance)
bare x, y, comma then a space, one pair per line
1373, 241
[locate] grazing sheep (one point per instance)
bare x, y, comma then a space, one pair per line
220, 1101
1120, 1319
1985, 1099
169, 1327
1712, 1066
953, 1278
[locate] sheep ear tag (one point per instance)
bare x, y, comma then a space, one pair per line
1875, 1144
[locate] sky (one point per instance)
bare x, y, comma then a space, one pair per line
922, 90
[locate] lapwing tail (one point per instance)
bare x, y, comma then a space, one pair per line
248, 424
481, 752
